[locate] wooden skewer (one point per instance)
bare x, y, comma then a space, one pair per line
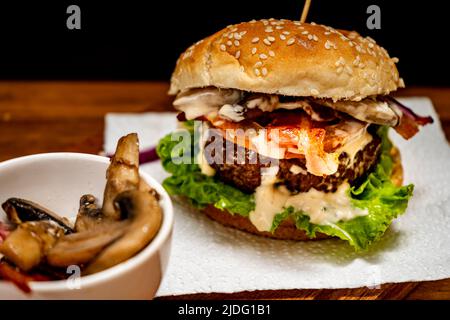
305, 10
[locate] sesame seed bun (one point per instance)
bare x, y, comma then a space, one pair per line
288, 58
287, 229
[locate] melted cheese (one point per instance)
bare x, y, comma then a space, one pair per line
322, 208
267, 147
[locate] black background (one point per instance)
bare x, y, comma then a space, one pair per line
141, 40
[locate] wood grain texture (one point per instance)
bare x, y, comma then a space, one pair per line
38, 117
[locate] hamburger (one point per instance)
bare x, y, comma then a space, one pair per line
284, 132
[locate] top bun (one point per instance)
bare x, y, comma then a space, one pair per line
288, 58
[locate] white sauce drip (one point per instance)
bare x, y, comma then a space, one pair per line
202, 162
322, 208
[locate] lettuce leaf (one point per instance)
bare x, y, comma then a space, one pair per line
383, 200
188, 181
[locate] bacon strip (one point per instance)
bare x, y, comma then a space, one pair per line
409, 120
11, 274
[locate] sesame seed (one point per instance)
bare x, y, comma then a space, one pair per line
269, 29
339, 70
286, 33
315, 38
242, 33
327, 33
258, 64
264, 71
327, 44
290, 41
222, 47
271, 39
252, 21
271, 53
351, 43
279, 27
263, 56
310, 37
257, 72
234, 29
305, 32
237, 54
229, 43
265, 22
267, 42
370, 45
361, 65
297, 23
236, 43
356, 61
255, 40
348, 69
237, 36
314, 92
254, 50
395, 60
230, 36
401, 82
282, 37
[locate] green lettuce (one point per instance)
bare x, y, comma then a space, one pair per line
188, 181
383, 200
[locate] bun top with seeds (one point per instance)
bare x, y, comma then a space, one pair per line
288, 58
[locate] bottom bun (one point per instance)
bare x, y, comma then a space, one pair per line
287, 229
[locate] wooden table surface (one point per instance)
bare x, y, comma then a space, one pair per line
44, 116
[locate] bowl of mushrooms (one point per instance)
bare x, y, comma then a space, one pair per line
80, 226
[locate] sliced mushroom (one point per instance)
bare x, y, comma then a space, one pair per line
20, 210
89, 215
144, 212
122, 174
81, 247
28, 244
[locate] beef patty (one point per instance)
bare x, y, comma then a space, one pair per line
242, 167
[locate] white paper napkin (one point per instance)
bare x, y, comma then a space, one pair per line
207, 257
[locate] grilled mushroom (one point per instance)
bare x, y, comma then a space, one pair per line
20, 210
89, 215
28, 244
144, 212
122, 174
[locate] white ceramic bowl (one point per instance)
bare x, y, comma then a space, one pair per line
57, 181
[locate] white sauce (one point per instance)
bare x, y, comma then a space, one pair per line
322, 208
202, 162
295, 169
326, 208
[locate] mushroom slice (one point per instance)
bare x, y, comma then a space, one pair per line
81, 247
28, 244
89, 215
122, 174
145, 214
20, 210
